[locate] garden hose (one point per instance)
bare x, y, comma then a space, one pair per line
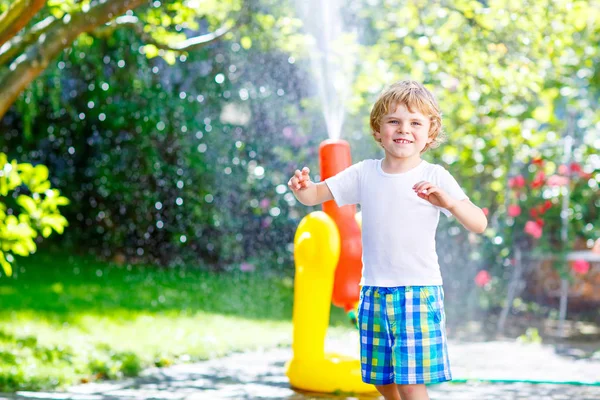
531, 381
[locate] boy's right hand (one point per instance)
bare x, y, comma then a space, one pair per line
300, 180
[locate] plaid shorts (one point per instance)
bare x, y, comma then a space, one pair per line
402, 335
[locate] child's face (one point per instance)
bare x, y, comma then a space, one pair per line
404, 134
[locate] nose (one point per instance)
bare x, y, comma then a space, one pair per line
403, 127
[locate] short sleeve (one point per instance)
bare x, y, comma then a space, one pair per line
447, 183
345, 185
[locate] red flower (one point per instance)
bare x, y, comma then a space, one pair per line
516, 182
533, 212
514, 210
547, 205
538, 181
581, 266
534, 229
540, 222
486, 211
538, 161
575, 167
482, 278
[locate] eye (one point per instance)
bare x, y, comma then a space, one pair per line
417, 123
393, 121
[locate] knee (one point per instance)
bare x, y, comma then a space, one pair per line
416, 392
389, 392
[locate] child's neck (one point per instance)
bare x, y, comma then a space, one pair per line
399, 165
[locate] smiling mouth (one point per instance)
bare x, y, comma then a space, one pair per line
403, 141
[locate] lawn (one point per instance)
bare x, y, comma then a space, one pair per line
68, 319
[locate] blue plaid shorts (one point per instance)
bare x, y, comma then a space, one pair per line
403, 335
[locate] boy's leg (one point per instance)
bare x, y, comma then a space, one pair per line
413, 392
389, 392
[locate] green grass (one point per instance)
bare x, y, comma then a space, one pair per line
66, 319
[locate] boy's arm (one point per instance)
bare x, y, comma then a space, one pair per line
469, 215
308, 192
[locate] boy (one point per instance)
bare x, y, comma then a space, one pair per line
401, 312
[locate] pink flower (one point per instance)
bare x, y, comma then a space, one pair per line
264, 203
514, 210
482, 278
563, 169
534, 229
581, 266
557, 180
247, 267
516, 182
486, 211
288, 132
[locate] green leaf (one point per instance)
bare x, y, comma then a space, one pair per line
246, 42
27, 203
5, 265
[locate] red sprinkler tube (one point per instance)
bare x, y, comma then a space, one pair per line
334, 156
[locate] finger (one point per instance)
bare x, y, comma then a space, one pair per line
417, 184
294, 181
293, 184
426, 188
421, 186
305, 171
298, 173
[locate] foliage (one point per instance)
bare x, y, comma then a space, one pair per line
533, 219
507, 91
152, 177
31, 209
190, 161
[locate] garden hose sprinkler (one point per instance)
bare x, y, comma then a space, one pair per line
327, 254
335, 157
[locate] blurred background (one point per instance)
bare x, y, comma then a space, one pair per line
145, 148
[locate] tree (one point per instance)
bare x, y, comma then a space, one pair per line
34, 32
38, 211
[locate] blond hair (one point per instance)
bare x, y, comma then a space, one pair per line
414, 96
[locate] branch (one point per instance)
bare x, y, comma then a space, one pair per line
189, 44
18, 44
17, 16
59, 35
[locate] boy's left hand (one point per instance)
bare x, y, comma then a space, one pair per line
434, 195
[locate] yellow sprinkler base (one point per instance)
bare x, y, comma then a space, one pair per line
335, 373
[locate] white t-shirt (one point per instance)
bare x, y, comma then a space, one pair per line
398, 227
